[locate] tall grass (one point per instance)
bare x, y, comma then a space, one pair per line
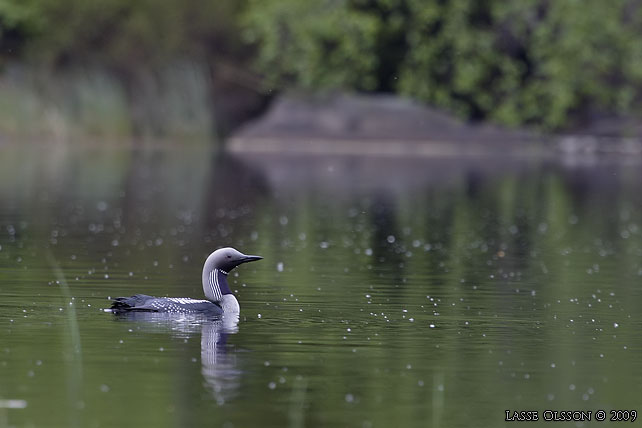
90, 103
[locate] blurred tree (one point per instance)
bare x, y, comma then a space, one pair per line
118, 32
18, 21
152, 48
322, 44
539, 62
533, 62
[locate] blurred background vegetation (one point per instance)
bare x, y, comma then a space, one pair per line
193, 68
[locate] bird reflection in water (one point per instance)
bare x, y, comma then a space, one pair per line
218, 366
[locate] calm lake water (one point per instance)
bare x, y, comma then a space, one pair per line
392, 293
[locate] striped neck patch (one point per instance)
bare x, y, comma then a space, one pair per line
218, 285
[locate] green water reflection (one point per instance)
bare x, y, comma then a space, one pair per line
393, 293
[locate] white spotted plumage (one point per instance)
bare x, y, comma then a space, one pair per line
176, 304
185, 300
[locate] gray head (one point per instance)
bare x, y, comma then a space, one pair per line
226, 259
216, 268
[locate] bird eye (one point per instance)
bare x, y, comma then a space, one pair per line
229, 256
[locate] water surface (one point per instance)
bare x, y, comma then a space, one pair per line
392, 293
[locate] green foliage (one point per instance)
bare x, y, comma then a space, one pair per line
18, 21
531, 62
538, 62
120, 33
113, 67
317, 45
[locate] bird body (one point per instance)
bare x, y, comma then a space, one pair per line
220, 300
179, 305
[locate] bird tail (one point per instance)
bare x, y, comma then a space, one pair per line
126, 304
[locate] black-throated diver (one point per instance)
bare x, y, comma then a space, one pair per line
220, 299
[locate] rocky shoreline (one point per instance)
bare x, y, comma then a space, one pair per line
382, 125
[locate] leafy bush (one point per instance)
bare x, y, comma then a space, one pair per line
534, 62
119, 33
540, 62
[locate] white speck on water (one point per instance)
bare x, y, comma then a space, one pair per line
411, 319
13, 404
585, 397
431, 326
279, 266
283, 220
258, 315
324, 244
101, 206
420, 382
266, 363
272, 385
440, 387
616, 325
161, 349
391, 239
349, 398
368, 252
550, 397
571, 387
104, 388
553, 365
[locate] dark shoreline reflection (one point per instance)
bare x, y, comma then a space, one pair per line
218, 366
